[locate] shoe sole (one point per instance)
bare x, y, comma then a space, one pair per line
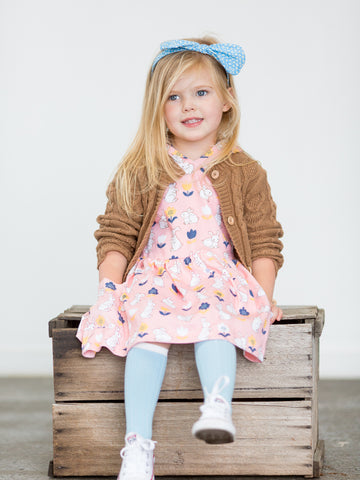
214, 436
214, 431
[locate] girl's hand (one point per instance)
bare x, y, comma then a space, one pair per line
263, 269
276, 311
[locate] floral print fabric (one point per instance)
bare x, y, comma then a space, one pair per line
186, 286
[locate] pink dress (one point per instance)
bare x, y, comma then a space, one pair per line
187, 286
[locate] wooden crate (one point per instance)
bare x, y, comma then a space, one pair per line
275, 407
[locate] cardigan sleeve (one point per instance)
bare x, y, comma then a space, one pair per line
118, 231
264, 231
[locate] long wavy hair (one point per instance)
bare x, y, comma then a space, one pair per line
148, 151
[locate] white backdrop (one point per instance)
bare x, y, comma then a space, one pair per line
71, 85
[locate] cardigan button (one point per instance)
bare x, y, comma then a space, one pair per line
215, 174
231, 220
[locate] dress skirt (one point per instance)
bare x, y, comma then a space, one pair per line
187, 285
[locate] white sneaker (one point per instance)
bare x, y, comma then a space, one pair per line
215, 424
137, 458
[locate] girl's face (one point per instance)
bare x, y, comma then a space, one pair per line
193, 112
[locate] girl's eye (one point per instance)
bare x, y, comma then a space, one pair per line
202, 93
172, 98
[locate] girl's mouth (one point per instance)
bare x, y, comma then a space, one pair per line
192, 122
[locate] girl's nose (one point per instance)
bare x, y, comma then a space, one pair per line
188, 106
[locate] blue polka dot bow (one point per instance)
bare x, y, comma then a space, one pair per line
231, 56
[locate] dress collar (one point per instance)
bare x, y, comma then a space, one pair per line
215, 149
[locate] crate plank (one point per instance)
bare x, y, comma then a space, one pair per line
273, 438
285, 373
315, 380
319, 458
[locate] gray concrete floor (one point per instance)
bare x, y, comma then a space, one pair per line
26, 429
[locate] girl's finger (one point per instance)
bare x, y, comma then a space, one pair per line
277, 314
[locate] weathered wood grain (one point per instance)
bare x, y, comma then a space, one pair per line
275, 408
285, 373
273, 438
319, 458
319, 322
315, 381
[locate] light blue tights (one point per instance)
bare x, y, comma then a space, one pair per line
144, 373
214, 359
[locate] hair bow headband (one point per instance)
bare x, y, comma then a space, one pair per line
230, 56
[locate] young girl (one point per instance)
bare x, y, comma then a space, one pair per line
188, 247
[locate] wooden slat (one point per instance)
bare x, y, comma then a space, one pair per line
285, 373
315, 380
319, 458
319, 322
273, 438
294, 312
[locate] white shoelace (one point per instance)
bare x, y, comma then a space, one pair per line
138, 457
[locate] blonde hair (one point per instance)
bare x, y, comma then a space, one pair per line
148, 151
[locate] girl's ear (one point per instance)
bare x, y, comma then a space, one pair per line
227, 105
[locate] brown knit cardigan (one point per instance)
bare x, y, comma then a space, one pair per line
247, 208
